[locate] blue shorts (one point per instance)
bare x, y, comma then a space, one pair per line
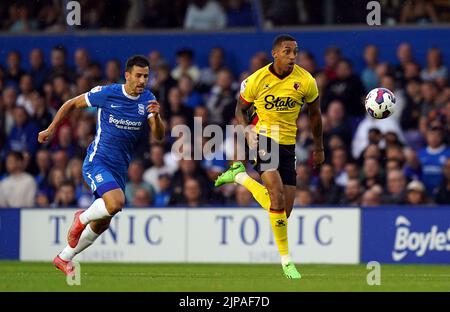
102, 179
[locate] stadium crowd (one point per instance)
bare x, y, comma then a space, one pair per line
18, 16
404, 159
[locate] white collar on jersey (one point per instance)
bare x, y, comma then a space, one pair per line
127, 95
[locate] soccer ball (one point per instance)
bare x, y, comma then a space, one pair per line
380, 103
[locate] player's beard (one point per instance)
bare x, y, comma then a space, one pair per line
139, 89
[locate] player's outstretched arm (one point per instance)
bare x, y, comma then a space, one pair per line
155, 121
76, 102
315, 120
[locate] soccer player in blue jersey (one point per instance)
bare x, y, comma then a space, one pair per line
122, 111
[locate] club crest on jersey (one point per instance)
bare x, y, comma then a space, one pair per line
99, 178
141, 109
296, 85
96, 89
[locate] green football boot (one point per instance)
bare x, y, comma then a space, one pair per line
290, 271
228, 176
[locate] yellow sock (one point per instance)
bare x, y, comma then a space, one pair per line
279, 223
258, 191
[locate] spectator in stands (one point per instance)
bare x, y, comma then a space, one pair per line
390, 12
337, 122
352, 193
404, 56
24, 23
415, 193
433, 157
59, 66
13, 71
259, 60
303, 175
157, 14
9, 98
82, 61
60, 159
361, 138
304, 138
193, 193
338, 160
208, 75
239, 14
189, 168
95, 73
395, 189
371, 173
327, 191
411, 71
370, 198
162, 195
282, 13
186, 66
61, 89
24, 98
306, 60
152, 174
163, 83
435, 68
303, 197
142, 198
38, 69
205, 15
243, 197
191, 98
347, 87
175, 106
332, 58
352, 170
42, 200
43, 163
23, 133
430, 93
418, 12
113, 73
19, 188
56, 177
412, 168
411, 113
65, 196
443, 193
136, 180
84, 132
222, 99
65, 141
83, 85
83, 195
368, 75
388, 82
51, 17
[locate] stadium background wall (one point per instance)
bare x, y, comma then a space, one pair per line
239, 235
239, 47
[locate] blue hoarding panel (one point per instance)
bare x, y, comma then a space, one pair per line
405, 235
9, 233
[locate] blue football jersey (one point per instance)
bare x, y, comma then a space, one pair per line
120, 119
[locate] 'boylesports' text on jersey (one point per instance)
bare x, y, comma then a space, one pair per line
278, 101
120, 119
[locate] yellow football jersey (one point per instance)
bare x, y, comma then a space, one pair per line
278, 101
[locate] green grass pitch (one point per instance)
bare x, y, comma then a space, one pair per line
38, 276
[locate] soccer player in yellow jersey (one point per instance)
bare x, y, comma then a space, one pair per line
277, 93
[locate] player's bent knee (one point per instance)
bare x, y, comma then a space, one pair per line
115, 206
